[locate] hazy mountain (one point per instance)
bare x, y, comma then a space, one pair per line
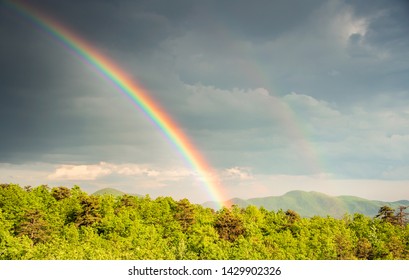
309, 204
110, 191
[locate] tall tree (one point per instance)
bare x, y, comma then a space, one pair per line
402, 216
89, 213
34, 226
229, 226
185, 214
60, 193
386, 213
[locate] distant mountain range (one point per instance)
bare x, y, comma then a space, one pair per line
114, 192
110, 191
307, 204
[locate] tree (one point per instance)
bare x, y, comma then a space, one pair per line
185, 214
402, 217
127, 201
229, 226
34, 226
385, 213
292, 216
60, 193
363, 249
89, 213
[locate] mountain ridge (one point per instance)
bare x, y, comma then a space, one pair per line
109, 191
114, 192
305, 203
313, 203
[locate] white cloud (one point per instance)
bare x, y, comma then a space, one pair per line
370, 131
310, 106
95, 171
134, 169
238, 172
80, 172
300, 133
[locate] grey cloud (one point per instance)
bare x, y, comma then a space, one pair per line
130, 26
55, 109
259, 20
300, 59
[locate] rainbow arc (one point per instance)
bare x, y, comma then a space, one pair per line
113, 72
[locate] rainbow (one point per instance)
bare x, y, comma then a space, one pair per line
109, 69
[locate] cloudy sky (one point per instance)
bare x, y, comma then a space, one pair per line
277, 95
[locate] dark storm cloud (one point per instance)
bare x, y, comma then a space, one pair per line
43, 85
26, 57
388, 26
28, 75
258, 20
49, 100
379, 58
138, 24
121, 25
301, 52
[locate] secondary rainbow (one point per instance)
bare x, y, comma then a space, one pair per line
130, 88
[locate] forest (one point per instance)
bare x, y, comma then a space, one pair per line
42, 223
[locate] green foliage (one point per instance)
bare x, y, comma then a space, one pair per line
34, 226
88, 214
385, 213
60, 193
229, 225
62, 223
185, 214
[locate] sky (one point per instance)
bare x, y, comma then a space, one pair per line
276, 95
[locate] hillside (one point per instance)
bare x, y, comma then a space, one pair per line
114, 192
110, 191
309, 204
